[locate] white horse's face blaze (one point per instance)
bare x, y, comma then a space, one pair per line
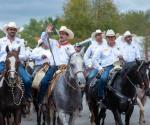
77, 68
12, 69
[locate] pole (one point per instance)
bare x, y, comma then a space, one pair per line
50, 48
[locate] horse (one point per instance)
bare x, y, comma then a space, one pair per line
11, 91
67, 95
120, 94
143, 93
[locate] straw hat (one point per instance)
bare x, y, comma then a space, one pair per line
68, 31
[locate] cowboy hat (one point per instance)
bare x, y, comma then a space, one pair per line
10, 25
110, 32
127, 33
98, 31
68, 31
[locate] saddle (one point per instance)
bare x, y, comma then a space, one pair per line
58, 73
39, 76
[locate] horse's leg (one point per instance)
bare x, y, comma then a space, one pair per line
44, 112
128, 114
39, 116
17, 116
2, 121
94, 109
62, 118
102, 115
73, 117
142, 117
117, 117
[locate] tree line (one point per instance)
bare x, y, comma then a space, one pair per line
85, 16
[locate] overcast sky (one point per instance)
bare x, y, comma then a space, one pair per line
21, 11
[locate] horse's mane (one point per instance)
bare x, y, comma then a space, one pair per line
128, 67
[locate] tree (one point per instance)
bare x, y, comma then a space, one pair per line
105, 15
2, 34
33, 30
77, 16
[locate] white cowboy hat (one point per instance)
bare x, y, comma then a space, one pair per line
68, 31
98, 31
10, 25
127, 33
40, 42
110, 32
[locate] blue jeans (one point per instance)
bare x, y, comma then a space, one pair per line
92, 74
2, 66
45, 83
27, 80
103, 80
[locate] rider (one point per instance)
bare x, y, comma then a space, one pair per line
41, 55
98, 42
77, 47
14, 42
103, 60
60, 56
129, 48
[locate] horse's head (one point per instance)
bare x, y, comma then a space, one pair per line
138, 72
144, 71
76, 67
12, 63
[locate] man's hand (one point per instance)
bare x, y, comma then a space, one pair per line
101, 71
49, 28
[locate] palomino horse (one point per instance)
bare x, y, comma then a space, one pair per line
120, 94
67, 96
12, 90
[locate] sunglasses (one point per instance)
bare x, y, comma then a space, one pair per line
12, 29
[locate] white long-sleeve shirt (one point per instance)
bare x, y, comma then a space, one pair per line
37, 54
59, 51
90, 52
105, 56
12, 45
130, 52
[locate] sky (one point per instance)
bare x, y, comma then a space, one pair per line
21, 11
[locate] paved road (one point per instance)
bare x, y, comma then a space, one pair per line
84, 118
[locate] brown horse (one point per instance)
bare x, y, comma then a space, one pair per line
11, 92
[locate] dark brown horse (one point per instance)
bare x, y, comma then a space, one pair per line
11, 92
120, 94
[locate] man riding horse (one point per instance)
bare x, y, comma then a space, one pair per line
60, 56
103, 60
98, 42
13, 42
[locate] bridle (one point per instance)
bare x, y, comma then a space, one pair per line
13, 84
70, 85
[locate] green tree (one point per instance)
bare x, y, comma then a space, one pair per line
2, 34
77, 16
32, 31
105, 15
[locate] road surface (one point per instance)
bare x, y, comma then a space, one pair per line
84, 117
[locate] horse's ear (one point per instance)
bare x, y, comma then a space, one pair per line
82, 51
7, 49
138, 61
147, 62
68, 52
